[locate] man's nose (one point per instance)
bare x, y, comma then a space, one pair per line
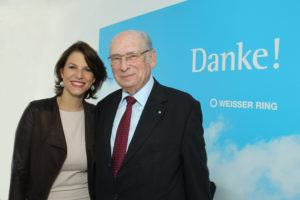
123, 64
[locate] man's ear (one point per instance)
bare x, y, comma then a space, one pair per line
153, 59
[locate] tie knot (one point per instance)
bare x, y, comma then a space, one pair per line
130, 100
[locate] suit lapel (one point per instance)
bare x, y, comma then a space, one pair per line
55, 135
89, 126
151, 115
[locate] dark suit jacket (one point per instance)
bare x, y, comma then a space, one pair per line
166, 158
40, 150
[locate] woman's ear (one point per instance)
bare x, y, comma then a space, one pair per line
61, 73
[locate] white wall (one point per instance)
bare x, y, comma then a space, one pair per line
33, 34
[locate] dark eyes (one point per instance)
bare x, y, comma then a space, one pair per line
88, 69
72, 67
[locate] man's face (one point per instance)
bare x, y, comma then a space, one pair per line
131, 74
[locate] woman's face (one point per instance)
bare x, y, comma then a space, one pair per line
76, 75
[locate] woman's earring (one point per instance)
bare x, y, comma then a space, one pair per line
62, 84
92, 87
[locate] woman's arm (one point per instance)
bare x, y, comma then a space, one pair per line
21, 156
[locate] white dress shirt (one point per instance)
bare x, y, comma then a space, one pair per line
141, 98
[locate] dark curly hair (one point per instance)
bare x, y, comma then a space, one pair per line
93, 61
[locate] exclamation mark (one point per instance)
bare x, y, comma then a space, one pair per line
276, 43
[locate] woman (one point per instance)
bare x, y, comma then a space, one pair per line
53, 153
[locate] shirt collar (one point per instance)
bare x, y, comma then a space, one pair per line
142, 95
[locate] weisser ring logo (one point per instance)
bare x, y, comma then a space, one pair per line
213, 103
243, 104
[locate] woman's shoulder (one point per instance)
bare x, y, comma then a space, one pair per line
48, 103
89, 107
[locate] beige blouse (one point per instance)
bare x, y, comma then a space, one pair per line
71, 183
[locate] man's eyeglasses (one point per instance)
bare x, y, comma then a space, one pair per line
129, 57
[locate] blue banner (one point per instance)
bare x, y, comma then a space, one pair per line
238, 58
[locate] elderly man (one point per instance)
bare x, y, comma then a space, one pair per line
149, 137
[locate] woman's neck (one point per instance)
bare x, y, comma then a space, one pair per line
69, 103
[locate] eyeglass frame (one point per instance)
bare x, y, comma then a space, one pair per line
127, 56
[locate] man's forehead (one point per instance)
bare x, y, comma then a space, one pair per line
126, 45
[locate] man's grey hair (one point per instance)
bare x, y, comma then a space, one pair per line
147, 42
146, 38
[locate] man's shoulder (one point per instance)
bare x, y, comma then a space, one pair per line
177, 94
110, 97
